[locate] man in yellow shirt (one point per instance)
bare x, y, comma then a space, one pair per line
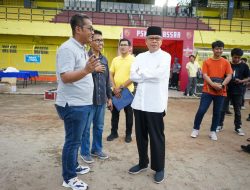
119, 76
192, 69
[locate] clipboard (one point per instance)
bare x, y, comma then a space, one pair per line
125, 99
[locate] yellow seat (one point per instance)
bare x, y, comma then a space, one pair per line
26, 14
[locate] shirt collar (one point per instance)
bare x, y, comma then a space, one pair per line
91, 53
77, 43
156, 52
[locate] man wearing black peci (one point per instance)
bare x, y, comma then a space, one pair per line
151, 71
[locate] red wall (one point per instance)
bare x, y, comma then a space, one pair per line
178, 43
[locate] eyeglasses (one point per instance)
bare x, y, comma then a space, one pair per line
123, 45
98, 40
90, 28
154, 38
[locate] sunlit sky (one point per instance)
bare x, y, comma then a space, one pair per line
171, 3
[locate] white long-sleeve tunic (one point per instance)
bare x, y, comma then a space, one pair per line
151, 71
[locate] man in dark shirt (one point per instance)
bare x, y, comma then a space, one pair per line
235, 89
102, 95
244, 61
175, 74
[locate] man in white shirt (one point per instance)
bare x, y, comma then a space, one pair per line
192, 69
151, 71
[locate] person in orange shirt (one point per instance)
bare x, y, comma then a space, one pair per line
217, 73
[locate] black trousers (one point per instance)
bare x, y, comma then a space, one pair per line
175, 79
236, 100
150, 124
224, 109
115, 120
243, 95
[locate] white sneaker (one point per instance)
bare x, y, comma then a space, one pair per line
82, 169
240, 132
75, 184
219, 128
243, 107
194, 133
213, 136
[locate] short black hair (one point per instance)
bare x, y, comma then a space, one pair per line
125, 40
236, 51
217, 43
77, 20
191, 56
98, 32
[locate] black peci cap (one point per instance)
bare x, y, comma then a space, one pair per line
154, 30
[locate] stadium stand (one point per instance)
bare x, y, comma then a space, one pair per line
123, 19
123, 15
234, 25
131, 14
129, 8
26, 14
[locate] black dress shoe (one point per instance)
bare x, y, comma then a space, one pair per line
137, 169
112, 136
246, 148
128, 139
248, 119
159, 176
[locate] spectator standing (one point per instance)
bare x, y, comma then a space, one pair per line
192, 69
190, 10
151, 71
119, 76
214, 71
244, 61
177, 9
226, 100
101, 97
74, 96
235, 89
175, 73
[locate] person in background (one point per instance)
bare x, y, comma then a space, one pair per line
214, 70
151, 71
248, 119
177, 8
190, 10
244, 61
226, 101
236, 89
175, 74
74, 96
101, 97
192, 69
119, 76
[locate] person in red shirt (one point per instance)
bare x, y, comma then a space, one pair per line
177, 9
217, 73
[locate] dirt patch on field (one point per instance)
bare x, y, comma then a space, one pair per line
31, 139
